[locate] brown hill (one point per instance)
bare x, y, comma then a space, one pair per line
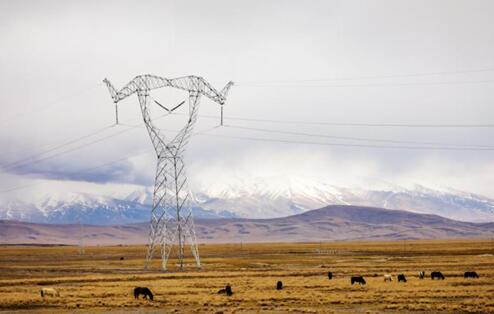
331, 223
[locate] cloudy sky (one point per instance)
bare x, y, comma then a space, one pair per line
355, 93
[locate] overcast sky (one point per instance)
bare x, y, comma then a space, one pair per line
371, 62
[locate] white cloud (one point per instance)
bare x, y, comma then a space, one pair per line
54, 57
274, 166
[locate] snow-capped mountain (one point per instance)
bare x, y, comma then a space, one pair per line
251, 198
73, 208
448, 203
87, 209
276, 197
284, 196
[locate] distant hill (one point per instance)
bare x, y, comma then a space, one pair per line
279, 197
332, 223
259, 199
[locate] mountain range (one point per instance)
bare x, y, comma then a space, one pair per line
332, 223
284, 196
260, 199
86, 208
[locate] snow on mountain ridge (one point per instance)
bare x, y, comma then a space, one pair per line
270, 198
74, 207
88, 208
253, 198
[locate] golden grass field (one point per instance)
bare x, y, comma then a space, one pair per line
98, 281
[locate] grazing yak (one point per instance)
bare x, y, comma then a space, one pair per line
357, 279
402, 277
421, 275
470, 274
388, 277
49, 292
330, 275
279, 285
228, 290
144, 291
437, 275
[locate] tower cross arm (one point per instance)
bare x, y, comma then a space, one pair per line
139, 83
187, 83
217, 96
129, 89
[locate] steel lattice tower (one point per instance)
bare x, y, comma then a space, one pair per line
171, 215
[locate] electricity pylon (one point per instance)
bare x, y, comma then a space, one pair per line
171, 214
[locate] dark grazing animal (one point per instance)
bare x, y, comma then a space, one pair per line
358, 279
144, 291
421, 275
228, 290
330, 275
122, 258
402, 277
279, 285
470, 274
437, 275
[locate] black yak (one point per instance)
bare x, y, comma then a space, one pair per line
437, 275
402, 277
470, 274
357, 279
144, 291
279, 285
228, 290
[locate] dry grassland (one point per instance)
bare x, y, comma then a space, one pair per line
98, 281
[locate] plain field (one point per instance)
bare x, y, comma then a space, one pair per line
98, 281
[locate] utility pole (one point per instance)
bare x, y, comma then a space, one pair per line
81, 238
171, 214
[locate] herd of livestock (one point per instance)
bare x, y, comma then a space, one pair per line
147, 294
401, 277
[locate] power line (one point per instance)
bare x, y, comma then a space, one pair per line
351, 145
353, 124
144, 152
35, 157
439, 146
72, 141
70, 150
205, 133
260, 82
63, 144
355, 138
69, 141
80, 171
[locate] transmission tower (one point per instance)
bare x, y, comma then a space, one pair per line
171, 215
